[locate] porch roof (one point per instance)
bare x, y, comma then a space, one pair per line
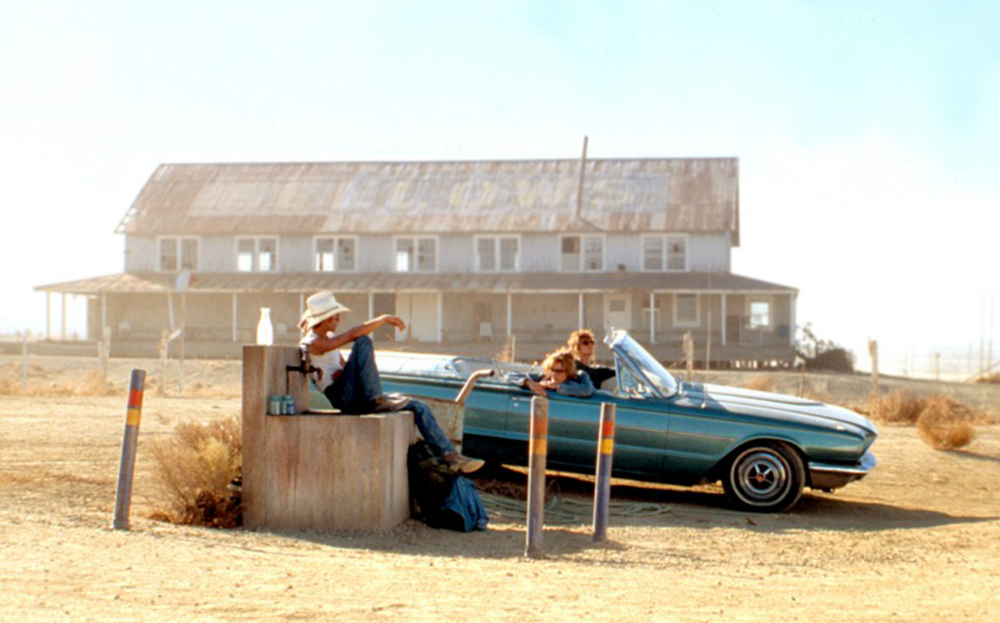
414, 282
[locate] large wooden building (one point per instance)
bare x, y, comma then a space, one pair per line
469, 253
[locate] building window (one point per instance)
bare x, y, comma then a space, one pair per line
759, 313
686, 310
581, 253
664, 253
497, 253
416, 254
178, 254
652, 253
257, 255
335, 254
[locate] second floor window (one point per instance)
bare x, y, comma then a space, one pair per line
581, 253
335, 254
178, 254
664, 253
416, 254
496, 253
256, 255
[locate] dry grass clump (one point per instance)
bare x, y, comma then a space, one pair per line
91, 383
946, 425
761, 383
993, 378
897, 408
195, 467
8, 386
94, 383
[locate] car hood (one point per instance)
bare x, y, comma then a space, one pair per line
776, 406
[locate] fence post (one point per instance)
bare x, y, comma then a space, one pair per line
126, 467
24, 361
873, 352
537, 453
602, 484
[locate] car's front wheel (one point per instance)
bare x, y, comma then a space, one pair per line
764, 477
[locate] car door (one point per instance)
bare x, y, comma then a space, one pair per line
640, 433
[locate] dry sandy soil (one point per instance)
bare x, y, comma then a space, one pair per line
917, 540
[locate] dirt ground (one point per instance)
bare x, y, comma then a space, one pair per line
919, 539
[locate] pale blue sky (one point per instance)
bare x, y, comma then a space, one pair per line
867, 132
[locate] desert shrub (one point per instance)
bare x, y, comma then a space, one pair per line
897, 408
989, 378
194, 468
760, 383
945, 424
835, 359
94, 383
8, 386
821, 354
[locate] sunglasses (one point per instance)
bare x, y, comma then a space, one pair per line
586, 342
558, 370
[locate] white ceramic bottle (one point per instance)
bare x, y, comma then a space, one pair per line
265, 332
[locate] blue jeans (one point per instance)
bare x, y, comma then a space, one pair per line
359, 385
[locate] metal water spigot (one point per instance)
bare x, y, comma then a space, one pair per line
304, 368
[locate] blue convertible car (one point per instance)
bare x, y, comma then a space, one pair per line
765, 448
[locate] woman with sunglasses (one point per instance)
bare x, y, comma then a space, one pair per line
581, 344
560, 376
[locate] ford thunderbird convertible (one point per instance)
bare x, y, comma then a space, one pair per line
765, 448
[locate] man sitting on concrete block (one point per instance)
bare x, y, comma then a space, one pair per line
354, 386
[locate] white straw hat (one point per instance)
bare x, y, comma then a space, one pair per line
319, 307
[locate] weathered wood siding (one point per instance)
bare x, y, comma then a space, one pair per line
456, 253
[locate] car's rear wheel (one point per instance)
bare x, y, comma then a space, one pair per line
764, 477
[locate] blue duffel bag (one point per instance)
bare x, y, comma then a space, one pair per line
441, 498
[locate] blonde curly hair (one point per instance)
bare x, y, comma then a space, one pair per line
573, 344
564, 356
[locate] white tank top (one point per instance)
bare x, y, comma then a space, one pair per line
331, 363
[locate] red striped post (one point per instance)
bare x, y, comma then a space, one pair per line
126, 468
538, 450
602, 486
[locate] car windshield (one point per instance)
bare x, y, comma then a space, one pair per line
640, 363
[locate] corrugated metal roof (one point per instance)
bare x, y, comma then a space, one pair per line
668, 194
398, 282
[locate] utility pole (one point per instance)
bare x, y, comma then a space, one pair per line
989, 348
579, 190
982, 334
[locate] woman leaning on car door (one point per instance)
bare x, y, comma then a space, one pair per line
561, 376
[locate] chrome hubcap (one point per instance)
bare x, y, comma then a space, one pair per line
761, 475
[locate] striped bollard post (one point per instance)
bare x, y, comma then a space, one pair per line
602, 484
537, 452
126, 468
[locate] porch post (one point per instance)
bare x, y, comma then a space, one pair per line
170, 310
791, 315
580, 308
509, 317
440, 316
235, 309
48, 315
652, 318
302, 303
723, 318
104, 317
62, 334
